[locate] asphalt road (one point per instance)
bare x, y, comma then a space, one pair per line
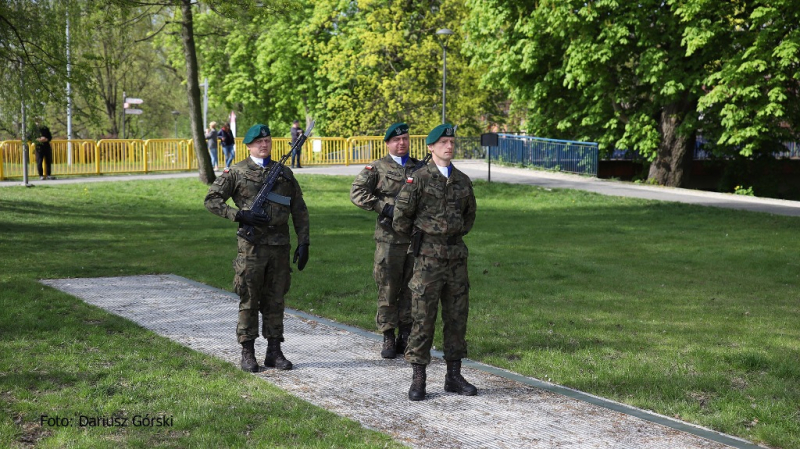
478, 169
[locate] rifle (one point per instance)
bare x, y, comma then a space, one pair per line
265, 194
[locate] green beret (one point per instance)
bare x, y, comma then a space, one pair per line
255, 132
397, 129
446, 130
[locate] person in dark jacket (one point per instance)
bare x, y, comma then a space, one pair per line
296, 133
40, 136
228, 142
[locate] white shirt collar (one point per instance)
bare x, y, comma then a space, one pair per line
258, 160
445, 171
397, 159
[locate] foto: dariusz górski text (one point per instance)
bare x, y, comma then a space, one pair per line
106, 421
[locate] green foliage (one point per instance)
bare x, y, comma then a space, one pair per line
635, 74
123, 59
752, 82
740, 190
355, 68
33, 61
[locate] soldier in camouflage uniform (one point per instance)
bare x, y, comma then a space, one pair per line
374, 189
437, 208
262, 271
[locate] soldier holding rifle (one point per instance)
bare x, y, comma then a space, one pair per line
262, 270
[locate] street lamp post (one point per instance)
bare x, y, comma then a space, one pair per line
444, 34
176, 114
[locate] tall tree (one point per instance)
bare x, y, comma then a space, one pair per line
118, 51
184, 18
636, 75
33, 63
355, 67
383, 63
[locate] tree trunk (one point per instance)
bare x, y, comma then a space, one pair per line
673, 161
193, 89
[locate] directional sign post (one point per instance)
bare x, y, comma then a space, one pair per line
126, 109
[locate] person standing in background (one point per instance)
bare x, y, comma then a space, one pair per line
211, 136
228, 142
296, 132
40, 136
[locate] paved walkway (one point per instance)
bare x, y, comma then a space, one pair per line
339, 368
478, 169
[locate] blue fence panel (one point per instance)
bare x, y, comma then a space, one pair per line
550, 154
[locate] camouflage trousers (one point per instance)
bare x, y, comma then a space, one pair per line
392, 271
435, 280
262, 279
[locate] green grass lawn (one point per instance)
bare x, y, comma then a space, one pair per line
689, 311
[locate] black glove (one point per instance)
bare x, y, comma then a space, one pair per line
301, 254
388, 210
251, 218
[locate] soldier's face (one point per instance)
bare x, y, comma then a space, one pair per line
398, 145
261, 147
443, 149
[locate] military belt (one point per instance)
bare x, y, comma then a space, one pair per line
442, 239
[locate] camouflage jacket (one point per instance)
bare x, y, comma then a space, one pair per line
443, 209
378, 185
242, 183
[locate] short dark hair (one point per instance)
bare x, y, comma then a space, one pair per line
296, 122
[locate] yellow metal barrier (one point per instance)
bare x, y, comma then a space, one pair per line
324, 151
365, 149
120, 156
70, 157
166, 155
10, 159
83, 157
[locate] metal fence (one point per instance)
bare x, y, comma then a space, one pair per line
550, 154
702, 154
89, 157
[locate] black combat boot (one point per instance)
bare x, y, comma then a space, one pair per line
249, 363
388, 351
417, 390
402, 339
274, 357
454, 383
